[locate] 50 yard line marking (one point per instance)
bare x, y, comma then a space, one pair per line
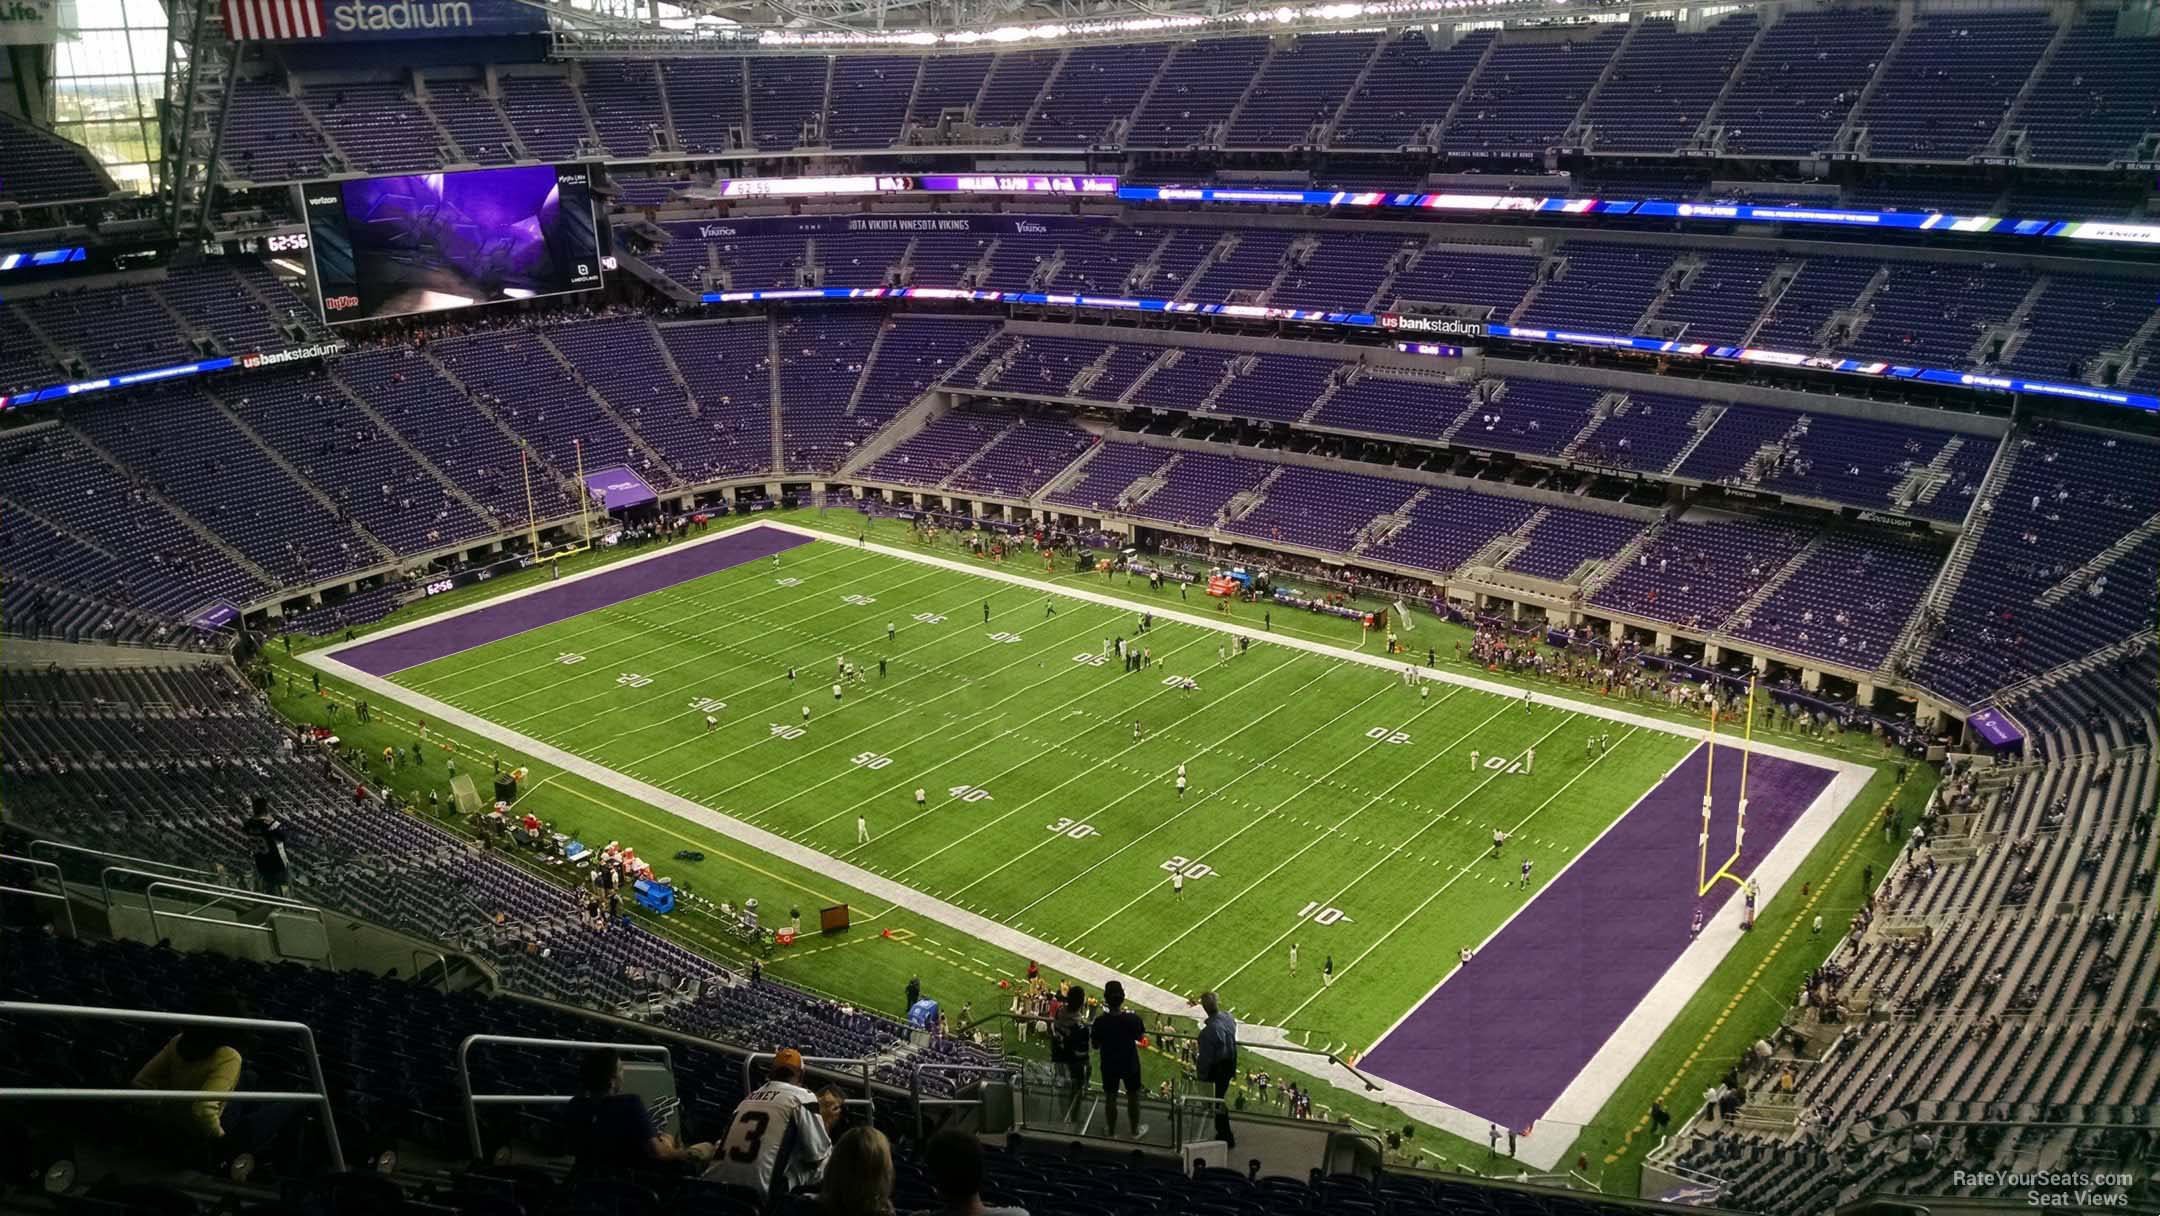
1213, 792
1152, 779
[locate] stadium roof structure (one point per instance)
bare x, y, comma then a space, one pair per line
704, 26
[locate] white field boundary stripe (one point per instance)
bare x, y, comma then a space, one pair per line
1461, 870
1220, 789
628, 608
506, 597
1025, 762
1619, 1054
1346, 654
781, 705
1150, 780
726, 625
840, 872
1216, 848
1491, 775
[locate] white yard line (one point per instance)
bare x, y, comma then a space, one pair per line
1577, 1105
1025, 761
1219, 789
1317, 837
1490, 776
1461, 870
785, 704
1151, 780
627, 608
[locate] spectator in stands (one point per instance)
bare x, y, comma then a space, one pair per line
1069, 1048
1117, 1033
1217, 1062
207, 1059
780, 1136
610, 1129
859, 1181
272, 868
954, 1160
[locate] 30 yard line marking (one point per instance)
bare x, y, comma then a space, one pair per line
1214, 791
1153, 778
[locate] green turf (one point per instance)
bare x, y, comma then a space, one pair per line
1044, 811
870, 969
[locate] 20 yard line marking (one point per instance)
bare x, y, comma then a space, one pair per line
1217, 791
1491, 775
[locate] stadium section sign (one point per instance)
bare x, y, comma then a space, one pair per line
376, 20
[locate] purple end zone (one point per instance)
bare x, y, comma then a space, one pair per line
609, 587
1505, 1036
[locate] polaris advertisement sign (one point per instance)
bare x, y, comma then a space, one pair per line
378, 20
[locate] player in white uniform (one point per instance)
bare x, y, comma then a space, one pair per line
777, 1141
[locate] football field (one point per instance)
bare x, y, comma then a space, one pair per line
1335, 811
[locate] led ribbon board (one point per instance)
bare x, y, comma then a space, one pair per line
2108, 231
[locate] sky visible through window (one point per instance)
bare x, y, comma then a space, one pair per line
106, 82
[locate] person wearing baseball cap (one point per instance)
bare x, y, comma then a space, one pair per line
777, 1141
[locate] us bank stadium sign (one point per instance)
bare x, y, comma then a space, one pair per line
1445, 327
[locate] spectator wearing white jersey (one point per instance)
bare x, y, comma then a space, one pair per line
778, 1139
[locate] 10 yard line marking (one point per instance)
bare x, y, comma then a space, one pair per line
1463, 869
1491, 775
607, 616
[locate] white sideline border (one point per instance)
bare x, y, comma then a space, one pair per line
1593, 1085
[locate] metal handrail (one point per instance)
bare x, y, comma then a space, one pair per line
108, 855
319, 1097
105, 877
869, 1089
150, 905
1158, 1035
915, 1087
59, 880
473, 1101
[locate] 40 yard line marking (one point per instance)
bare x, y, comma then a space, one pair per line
1214, 791
1151, 780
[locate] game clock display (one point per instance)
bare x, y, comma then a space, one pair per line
426, 242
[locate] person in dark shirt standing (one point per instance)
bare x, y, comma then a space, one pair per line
1216, 1061
1069, 1048
1117, 1033
272, 866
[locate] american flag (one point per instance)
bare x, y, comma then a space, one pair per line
273, 20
